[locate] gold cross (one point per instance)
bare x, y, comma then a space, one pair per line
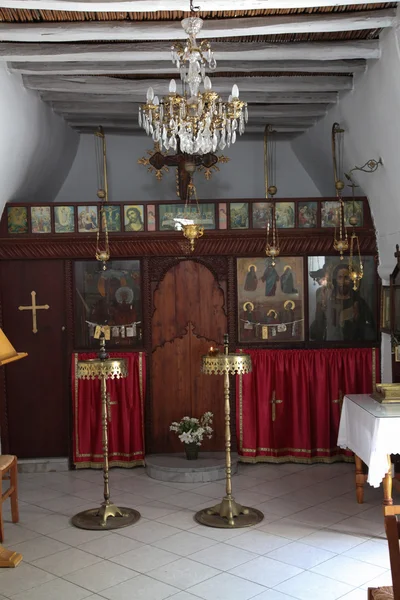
339, 400
34, 307
109, 405
274, 402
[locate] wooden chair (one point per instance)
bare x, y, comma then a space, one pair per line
392, 526
8, 472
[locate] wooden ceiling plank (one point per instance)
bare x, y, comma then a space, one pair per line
155, 68
123, 119
172, 5
259, 111
104, 85
172, 30
161, 51
252, 98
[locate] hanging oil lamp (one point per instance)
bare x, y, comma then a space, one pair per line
272, 249
356, 269
191, 229
102, 245
341, 243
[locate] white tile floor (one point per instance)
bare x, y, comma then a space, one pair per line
315, 543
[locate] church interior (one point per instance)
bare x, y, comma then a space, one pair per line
199, 300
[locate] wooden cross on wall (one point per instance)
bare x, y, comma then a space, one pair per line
159, 161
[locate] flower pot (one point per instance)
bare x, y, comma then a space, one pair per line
192, 451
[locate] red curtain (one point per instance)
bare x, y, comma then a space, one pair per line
126, 436
288, 408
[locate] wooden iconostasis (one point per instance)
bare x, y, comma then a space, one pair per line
158, 297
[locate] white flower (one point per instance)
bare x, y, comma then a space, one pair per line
192, 429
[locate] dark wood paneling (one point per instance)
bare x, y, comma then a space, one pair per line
188, 317
214, 243
37, 386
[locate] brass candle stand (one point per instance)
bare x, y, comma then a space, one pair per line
228, 513
104, 368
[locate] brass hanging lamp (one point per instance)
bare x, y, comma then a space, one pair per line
272, 249
190, 223
102, 246
356, 269
341, 243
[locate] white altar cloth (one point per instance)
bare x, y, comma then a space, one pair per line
372, 431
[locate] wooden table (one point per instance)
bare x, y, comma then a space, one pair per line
372, 431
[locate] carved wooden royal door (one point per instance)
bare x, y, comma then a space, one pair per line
35, 408
189, 317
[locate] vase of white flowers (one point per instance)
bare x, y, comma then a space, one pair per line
191, 432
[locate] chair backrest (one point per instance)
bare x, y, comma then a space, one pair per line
392, 526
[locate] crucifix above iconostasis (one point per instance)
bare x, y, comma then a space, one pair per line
159, 163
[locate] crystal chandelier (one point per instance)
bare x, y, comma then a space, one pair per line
199, 121
272, 249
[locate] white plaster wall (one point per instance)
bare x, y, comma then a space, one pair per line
37, 147
370, 116
242, 177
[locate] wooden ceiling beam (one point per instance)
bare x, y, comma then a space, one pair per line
252, 97
112, 85
122, 120
155, 68
218, 28
161, 51
131, 109
172, 5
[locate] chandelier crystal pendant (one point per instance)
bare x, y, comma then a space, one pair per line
199, 121
272, 249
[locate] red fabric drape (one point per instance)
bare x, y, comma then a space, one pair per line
126, 437
308, 387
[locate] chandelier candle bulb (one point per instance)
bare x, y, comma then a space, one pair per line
172, 86
150, 95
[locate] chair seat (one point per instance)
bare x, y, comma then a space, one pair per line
382, 593
5, 461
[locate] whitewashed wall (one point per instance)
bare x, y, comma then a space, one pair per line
370, 116
242, 177
37, 148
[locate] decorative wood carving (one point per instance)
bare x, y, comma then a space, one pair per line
214, 243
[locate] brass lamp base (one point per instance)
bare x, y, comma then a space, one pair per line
108, 516
9, 558
229, 514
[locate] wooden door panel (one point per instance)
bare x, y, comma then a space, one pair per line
37, 386
188, 318
188, 293
171, 393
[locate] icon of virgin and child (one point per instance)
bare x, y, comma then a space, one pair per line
269, 295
